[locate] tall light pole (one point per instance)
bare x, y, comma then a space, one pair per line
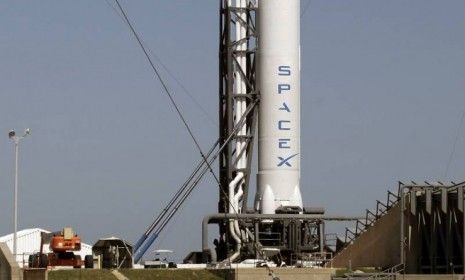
13, 137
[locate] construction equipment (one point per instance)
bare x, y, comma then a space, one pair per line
62, 246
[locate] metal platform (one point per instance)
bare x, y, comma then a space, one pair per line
421, 228
432, 227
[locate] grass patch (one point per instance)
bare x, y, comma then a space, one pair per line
81, 274
175, 274
141, 274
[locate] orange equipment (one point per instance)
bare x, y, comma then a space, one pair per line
63, 244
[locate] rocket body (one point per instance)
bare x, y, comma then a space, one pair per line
278, 76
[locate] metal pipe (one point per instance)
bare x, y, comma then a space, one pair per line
16, 139
322, 237
15, 218
240, 109
233, 210
463, 225
402, 233
238, 242
237, 209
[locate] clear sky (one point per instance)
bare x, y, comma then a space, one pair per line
383, 91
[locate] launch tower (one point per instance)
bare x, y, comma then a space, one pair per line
259, 94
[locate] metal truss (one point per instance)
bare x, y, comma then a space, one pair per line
231, 66
432, 227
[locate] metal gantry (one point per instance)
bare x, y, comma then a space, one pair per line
432, 227
236, 89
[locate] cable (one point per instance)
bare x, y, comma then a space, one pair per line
168, 71
178, 111
162, 220
462, 119
184, 89
170, 96
114, 9
181, 190
304, 10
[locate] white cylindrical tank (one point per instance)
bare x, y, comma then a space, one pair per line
278, 75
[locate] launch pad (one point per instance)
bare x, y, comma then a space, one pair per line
418, 229
259, 97
259, 106
260, 75
286, 240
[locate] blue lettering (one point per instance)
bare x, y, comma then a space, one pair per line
281, 126
285, 161
285, 107
283, 87
284, 143
284, 70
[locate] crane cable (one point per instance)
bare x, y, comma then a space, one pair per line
304, 10
173, 206
169, 72
165, 88
451, 156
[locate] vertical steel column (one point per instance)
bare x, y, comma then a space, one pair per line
232, 53
402, 210
15, 215
322, 237
461, 189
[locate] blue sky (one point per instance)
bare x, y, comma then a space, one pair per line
382, 96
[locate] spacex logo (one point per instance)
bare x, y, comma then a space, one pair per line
284, 123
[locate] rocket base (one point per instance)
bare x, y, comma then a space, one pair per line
287, 239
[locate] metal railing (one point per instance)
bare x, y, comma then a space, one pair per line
331, 240
316, 259
387, 274
371, 217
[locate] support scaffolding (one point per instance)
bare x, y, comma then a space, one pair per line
240, 239
236, 92
432, 228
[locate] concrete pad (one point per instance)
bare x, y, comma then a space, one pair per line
119, 275
430, 277
284, 273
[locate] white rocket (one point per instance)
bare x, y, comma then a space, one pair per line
278, 73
